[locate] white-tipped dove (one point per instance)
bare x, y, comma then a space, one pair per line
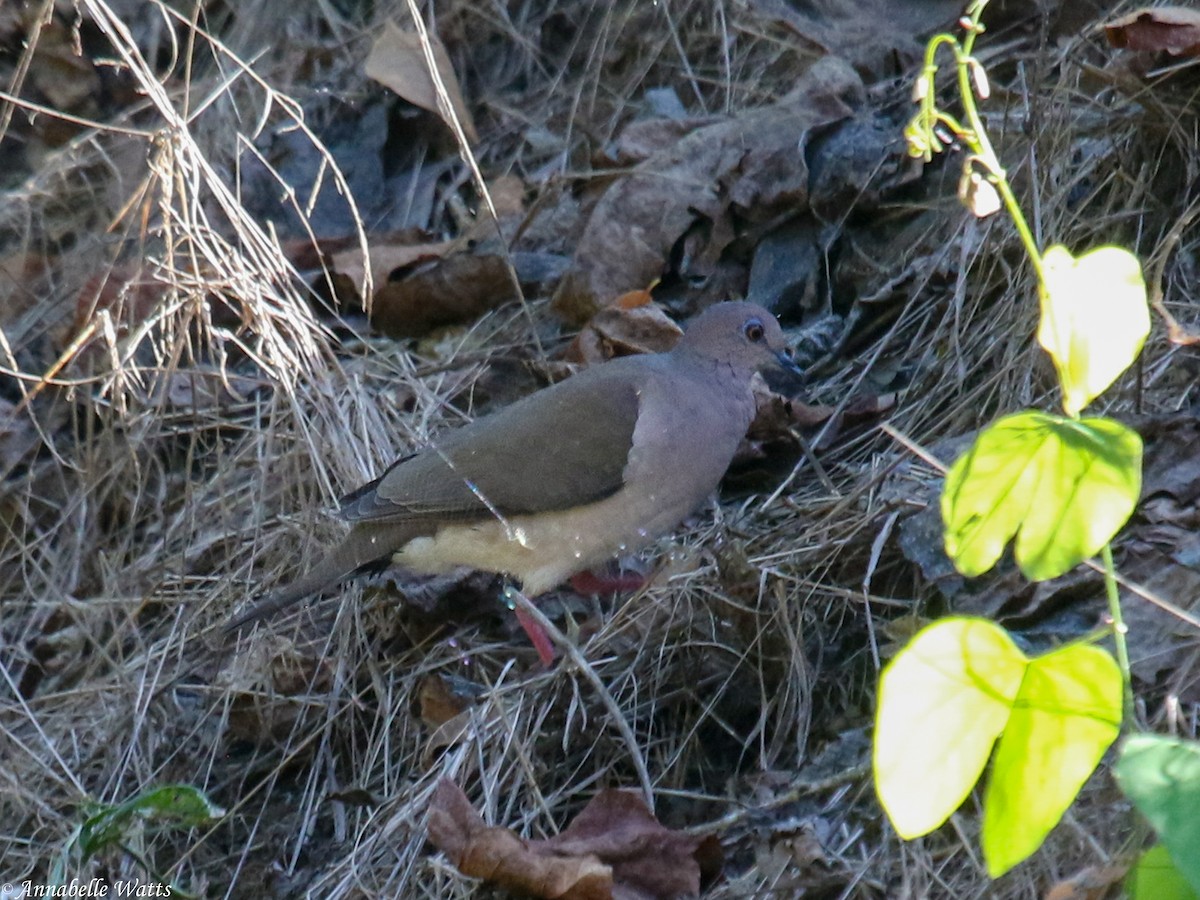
569, 476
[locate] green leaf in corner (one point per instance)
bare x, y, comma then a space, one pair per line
1161, 775
1154, 877
1062, 487
1094, 319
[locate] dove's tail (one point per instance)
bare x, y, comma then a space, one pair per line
362, 547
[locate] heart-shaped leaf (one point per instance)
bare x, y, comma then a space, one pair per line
960, 684
1094, 319
1062, 487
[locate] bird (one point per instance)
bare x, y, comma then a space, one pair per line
567, 477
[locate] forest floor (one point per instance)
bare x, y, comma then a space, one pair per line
201, 201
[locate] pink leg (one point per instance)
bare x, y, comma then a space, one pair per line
589, 583
537, 636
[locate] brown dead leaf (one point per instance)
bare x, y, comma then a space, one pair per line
775, 414
687, 197
498, 855
472, 721
450, 291
872, 35
1174, 29
508, 199
206, 390
1092, 883
397, 60
123, 297
648, 860
614, 848
60, 649
445, 705
387, 256
624, 330
20, 434
422, 285
438, 702
643, 138
125, 292
634, 299
271, 684
446, 735
63, 75
19, 267
777, 436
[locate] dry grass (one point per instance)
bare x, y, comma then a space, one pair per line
173, 460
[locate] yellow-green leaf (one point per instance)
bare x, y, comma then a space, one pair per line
1094, 319
1061, 487
1065, 716
942, 702
960, 684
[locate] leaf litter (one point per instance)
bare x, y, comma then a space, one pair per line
189, 378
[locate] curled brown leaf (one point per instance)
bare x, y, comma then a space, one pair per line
614, 848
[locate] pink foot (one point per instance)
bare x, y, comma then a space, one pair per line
537, 636
589, 583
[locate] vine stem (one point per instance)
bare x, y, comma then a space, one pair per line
1118, 629
976, 134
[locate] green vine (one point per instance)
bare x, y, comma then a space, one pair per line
1059, 487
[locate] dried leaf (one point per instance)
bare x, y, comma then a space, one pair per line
67, 79
497, 854
614, 848
645, 856
631, 326
126, 293
1175, 29
270, 684
206, 390
445, 704
634, 299
439, 700
451, 291
19, 434
748, 168
1092, 883
446, 735
397, 61
870, 34
508, 199
388, 256
643, 138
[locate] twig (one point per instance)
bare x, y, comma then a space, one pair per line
588, 671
